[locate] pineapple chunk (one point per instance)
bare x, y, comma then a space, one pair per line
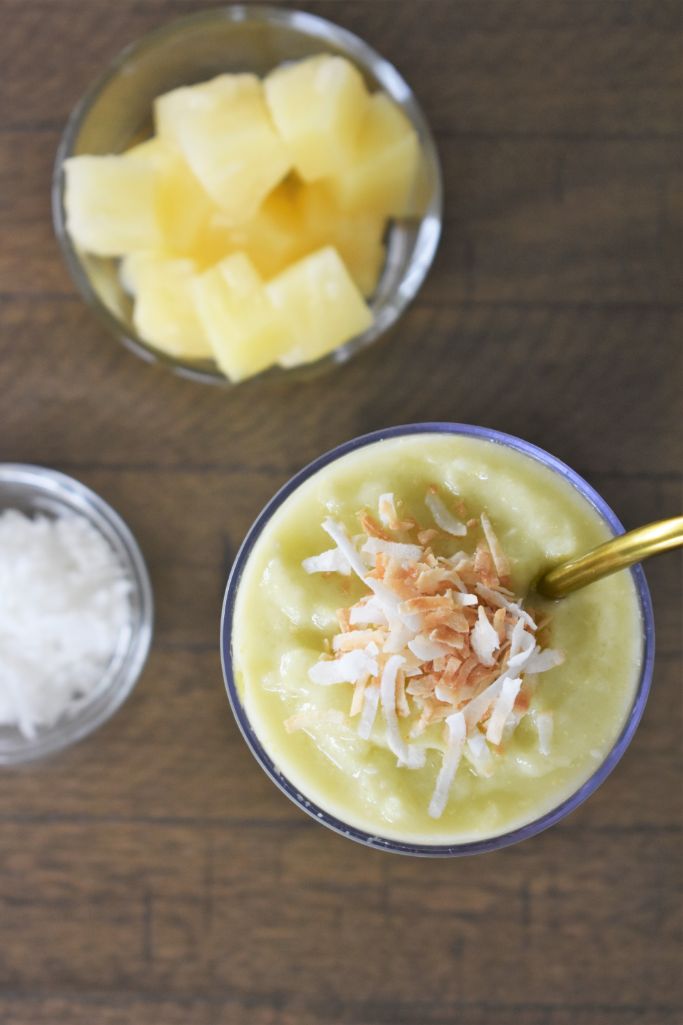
110, 204
379, 175
272, 238
225, 133
357, 237
316, 298
164, 312
246, 332
183, 207
318, 106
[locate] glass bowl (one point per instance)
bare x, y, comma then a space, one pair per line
117, 111
389, 844
37, 490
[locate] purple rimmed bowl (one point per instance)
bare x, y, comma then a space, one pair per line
439, 849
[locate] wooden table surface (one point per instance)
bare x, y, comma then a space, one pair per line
152, 875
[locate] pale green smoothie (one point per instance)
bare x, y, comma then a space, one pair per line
283, 616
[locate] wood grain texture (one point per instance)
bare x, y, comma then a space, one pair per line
152, 875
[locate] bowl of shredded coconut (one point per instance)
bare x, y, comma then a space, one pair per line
76, 612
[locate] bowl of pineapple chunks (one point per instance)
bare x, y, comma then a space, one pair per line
248, 191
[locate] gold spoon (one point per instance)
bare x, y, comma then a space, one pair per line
625, 550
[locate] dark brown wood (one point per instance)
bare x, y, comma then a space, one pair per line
152, 875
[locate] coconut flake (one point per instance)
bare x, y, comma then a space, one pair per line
393, 549
427, 650
367, 612
357, 639
484, 639
455, 724
502, 709
399, 636
475, 710
544, 722
542, 661
65, 617
369, 713
386, 508
500, 560
478, 754
501, 602
331, 561
343, 542
442, 517
408, 754
350, 668
522, 647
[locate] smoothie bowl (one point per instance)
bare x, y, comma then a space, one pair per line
391, 667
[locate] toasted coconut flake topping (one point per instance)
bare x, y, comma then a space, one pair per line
350, 668
502, 709
444, 519
449, 766
542, 661
331, 561
367, 612
402, 553
478, 754
484, 639
386, 507
499, 557
439, 641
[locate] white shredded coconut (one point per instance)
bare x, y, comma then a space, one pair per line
442, 517
64, 612
478, 754
502, 709
367, 612
369, 713
426, 649
386, 507
456, 739
484, 639
408, 754
395, 550
542, 661
350, 668
544, 723
331, 561
501, 602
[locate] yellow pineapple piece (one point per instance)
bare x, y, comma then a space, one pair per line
110, 204
357, 237
164, 311
318, 106
225, 133
319, 303
246, 333
379, 174
183, 206
271, 239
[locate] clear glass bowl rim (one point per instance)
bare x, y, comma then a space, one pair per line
365, 56
437, 850
89, 504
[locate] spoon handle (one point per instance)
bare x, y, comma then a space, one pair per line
634, 546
